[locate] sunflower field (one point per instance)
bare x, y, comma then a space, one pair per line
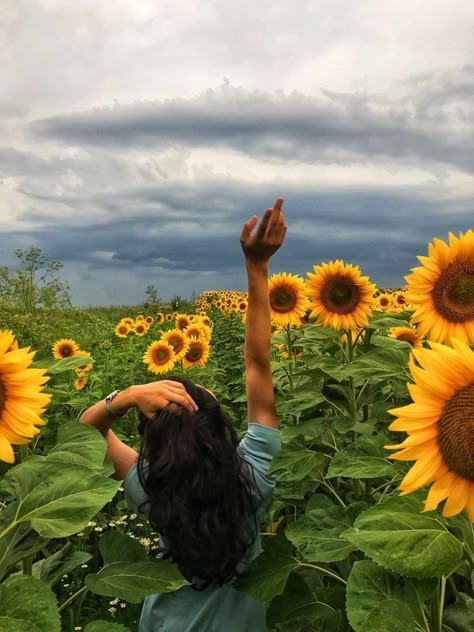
371, 524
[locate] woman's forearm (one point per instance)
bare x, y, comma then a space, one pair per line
98, 416
258, 327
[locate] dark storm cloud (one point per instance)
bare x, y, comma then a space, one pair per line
334, 128
196, 229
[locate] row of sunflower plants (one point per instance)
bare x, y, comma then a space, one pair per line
354, 540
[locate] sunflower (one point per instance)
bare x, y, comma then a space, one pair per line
149, 320
21, 399
169, 317
159, 318
128, 321
140, 328
178, 341
195, 332
407, 334
443, 289
182, 321
440, 427
400, 299
288, 300
340, 296
159, 357
80, 382
122, 329
84, 367
384, 301
197, 354
65, 348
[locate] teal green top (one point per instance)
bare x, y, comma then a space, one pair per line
216, 608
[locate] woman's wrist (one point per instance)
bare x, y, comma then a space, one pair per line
123, 401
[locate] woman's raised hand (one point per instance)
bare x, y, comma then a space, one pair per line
269, 236
154, 396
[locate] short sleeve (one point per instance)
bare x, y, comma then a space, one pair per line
258, 448
134, 492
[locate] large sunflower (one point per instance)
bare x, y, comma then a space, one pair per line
197, 354
340, 296
21, 399
159, 357
443, 289
288, 300
178, 341
65, 348
440, 424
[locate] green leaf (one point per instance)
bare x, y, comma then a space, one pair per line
105, 626
310, 429
379, 321
416, 593
459, 617
363, 459
133, 581
115, 546
398, 537
316, 535
51, 569
57, 499
376, 365
294, 462
65, 364
374, 600
30, 604
269, 572
79, 443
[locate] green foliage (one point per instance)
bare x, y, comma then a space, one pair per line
28, 605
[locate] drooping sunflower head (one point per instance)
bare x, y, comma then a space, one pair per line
65, 348
407, 334
442, 289
80, 382
288, 300
197, 354
159, 318
440, 425
159, 357
340, 296
21, 398
128, 321
177, 339
122, 329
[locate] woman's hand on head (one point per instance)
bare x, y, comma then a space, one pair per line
269, 236
154, 396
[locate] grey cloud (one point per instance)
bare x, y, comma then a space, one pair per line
334, 128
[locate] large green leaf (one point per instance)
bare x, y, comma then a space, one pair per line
310, 429
79, 443
294, 462
459, 616
363, 459
119, 547
398, 537
133, 581
57, 499
18, 542
270, 571
376, 365
316, 535
28, 604
105, 626
374, 600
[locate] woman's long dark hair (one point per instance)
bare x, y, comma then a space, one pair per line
202, 496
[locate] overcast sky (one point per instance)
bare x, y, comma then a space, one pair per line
136, 136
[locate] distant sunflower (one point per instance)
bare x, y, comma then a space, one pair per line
407, 334
65, 348
178, 341
128, 321
439, 423
288, 300
384, 301
182, 321
122, 329
149, 320
159, 357
80, 382
443, 289
400, 299
197, 354
140, 328
169, 317
21, 398
340, 296
159, 318
84, 367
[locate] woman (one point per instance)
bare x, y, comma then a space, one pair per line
203, 492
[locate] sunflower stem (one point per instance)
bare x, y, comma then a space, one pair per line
289, 346
72, 597
323, 570
437, 607
27, 561
352, 389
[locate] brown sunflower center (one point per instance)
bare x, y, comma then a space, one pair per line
3, 396
453, 292
340, 295
407, 337
161, 356
65, 351
384, 301
176, 343
195, 353
456, 432
283, 299
401, 300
